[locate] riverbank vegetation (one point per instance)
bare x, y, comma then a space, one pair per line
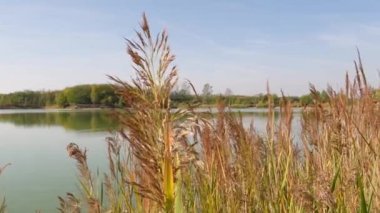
177, 161
104, 96
94, 95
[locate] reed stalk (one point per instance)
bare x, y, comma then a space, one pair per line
165, 160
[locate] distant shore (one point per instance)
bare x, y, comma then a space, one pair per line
84, 106
94, 107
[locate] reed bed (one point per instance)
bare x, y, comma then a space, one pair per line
179, 161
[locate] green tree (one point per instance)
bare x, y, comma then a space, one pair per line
306, 100
105, 95
95, 99
61, 99
324, 96
78, 94
181, 95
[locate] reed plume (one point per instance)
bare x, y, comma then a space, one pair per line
166, 160
155, 134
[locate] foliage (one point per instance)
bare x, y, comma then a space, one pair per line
61, 99
78, 94
306, 100
182, 96
206, 93
96, 95
105, 95
207, 90
29, 99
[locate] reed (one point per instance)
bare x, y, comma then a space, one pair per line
145, 172
182, 161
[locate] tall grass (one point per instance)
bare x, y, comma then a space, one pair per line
179, 161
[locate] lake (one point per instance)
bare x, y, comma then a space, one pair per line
35, 141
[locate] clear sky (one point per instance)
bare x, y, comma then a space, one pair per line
230, 44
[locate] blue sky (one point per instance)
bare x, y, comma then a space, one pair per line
230, 44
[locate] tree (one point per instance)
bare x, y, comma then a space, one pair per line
181, 95
49, 98
94, 94
107, 95
103, 94
78, 94
324, 96
207, 90
61, 99
185, 89
306, 100
228, 92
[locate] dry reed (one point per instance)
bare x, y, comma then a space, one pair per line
178, 161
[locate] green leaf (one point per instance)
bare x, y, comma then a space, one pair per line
363, 203
335, 180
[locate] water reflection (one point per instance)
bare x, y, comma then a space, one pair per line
105, 120
83, 120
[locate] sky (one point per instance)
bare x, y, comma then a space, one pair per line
241, 45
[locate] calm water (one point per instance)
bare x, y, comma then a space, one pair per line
35, 141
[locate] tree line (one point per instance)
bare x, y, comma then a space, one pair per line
183, 95
81, 96
104, 95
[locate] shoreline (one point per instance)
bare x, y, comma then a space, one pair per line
120, 108
87, 106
